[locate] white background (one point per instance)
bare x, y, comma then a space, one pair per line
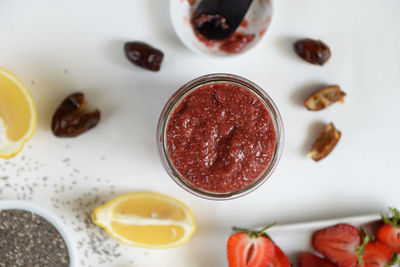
59, 47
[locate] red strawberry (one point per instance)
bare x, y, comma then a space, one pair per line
280, 259
389, 232
338, 244
308, 259
390, 236
245, 250
376, 254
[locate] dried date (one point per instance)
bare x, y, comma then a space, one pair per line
71, 117
144, 55
313, 51
325, 142
324, 97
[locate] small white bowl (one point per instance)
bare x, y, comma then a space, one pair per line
258, 19
50, 217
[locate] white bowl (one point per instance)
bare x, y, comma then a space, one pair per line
50, 217
258, 19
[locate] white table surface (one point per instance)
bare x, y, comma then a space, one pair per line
59, 47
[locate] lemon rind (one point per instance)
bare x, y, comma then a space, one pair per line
10, 148
102, 215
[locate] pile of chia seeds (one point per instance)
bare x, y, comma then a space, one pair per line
27, 239
73, 195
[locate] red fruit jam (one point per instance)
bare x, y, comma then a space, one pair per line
220, 137
231, 45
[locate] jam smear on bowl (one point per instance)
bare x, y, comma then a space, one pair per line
235, 43
220, 137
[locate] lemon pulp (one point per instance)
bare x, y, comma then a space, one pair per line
146, 219
17, 114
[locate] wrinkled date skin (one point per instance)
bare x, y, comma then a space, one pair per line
313, 51
71, 119
144, 55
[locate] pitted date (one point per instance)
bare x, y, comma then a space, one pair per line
313, 51
324, 97
326, 141
71, 118
144, 55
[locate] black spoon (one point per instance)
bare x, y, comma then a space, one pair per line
218, 19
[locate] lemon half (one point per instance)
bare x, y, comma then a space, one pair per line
17, 114
146, 219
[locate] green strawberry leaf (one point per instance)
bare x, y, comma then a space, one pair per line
360, 249
394, 260
393, 219
254, 234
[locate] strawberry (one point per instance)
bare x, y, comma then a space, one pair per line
280, 259
389, 232
254, 249
308, 259
338, 243
376, 254
246, 250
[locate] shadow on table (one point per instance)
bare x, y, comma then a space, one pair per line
284, 46
300, 94
162, 25
312, 134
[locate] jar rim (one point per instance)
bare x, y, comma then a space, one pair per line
190, 87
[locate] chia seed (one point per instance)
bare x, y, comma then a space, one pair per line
27, 239
74, 209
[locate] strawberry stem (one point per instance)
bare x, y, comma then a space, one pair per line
360, 248
394, 260
267, 227
238, 229
394, 220
254, 234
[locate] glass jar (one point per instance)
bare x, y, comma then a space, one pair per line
190, 87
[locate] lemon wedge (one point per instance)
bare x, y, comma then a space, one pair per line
146, 219
17, 114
